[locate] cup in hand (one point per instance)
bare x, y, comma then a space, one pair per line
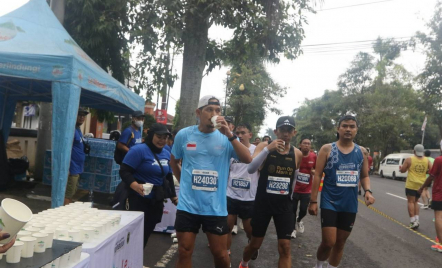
13, 216
147, 188
213, 119
281, 149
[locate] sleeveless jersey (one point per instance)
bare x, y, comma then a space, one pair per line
342, 174
276, 183
304, 178
242, 185
417, 173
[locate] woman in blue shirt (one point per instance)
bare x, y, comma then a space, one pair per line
148, 162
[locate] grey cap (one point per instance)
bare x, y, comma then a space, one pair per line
419, 150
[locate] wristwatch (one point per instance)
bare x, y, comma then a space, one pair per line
368, 190
234, 137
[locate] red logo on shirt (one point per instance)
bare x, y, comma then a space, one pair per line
191, 146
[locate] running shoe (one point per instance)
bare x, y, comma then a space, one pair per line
240, 266
240, 224
414, 225
425, 206
300, 227
293, 235
437, 240
436, 248
235, 230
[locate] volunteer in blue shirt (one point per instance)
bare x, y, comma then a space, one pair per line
132, 134
77, 158
345, 164
145, 163
205, 153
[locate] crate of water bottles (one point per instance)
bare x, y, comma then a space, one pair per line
101, 148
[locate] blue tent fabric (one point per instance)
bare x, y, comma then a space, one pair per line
39, 61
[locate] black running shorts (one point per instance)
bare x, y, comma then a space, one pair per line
341, 220
188, 222
244, 209
436, 205
409, 192
283, 223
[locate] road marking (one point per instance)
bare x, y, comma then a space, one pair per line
403, 198
398, 222
167, 256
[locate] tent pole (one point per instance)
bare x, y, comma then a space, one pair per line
4, 109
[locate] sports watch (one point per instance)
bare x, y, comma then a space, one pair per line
234, 137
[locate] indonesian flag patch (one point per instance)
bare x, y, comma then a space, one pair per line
191, 146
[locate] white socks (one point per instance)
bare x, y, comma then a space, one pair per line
412, 219
417, 218
319, 264
330, 266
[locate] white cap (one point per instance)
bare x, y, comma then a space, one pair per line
419, 150
204, 101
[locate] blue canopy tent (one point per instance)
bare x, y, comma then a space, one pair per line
39, 61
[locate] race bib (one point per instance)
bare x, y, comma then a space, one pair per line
347, 178
278, 185
241, 183
204, 180
303, 178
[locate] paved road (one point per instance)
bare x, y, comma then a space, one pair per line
379, 239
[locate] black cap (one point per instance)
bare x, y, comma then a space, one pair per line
285, 121
228, 119
137, 114
159, 129
83, 111
347, 118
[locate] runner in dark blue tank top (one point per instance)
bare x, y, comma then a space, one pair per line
344, 164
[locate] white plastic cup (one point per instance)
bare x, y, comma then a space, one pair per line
50, 238
40, 226
13, 216
282, 150
61, 232
64, 260
28, 246
56, 263
32, 230
77, 254
213, 119
1, 256
116, 218
98, 229
23, 234
40, 246
75, 235
147, 187
87, 234
13, 255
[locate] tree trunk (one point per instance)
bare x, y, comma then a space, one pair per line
194, 59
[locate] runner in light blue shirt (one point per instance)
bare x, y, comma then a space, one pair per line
205, 153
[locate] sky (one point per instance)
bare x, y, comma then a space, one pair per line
318, 69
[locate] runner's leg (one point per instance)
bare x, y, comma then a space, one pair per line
328, 242
254, 244
231, 219
247, 227
438, 224
218, 247
285, 260
186, 244
295, 201
338, 248
305, 199
411, 200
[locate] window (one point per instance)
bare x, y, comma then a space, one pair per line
393, 161
383, 161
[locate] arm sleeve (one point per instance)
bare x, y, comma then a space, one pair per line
134, 157
169, 177
257, 161
126, 174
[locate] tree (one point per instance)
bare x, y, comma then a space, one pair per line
268, 28
430, 80
252, 94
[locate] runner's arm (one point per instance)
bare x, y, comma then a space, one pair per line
241, 151
365, 179
176, 167
426, 183
405, 166
321, 161
260, 155
122, 147
298, 157
430, 165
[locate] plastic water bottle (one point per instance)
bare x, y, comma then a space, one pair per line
91, 198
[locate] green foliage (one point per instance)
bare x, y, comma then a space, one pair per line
388, 109
263, 29
430, 80
149, 120
258, 97
103, 115
99, 28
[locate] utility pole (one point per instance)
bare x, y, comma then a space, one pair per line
44, 136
